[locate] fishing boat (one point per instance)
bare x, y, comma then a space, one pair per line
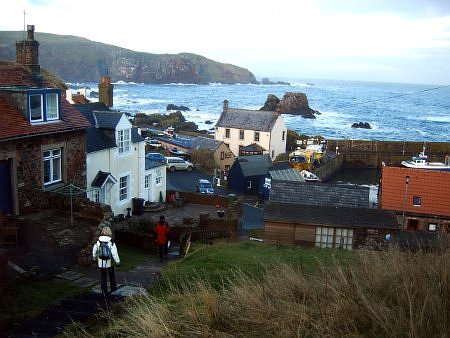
306, 159
309, 176
421, 162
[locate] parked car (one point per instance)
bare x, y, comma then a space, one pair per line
177, 163
204, 187
156, 157
152, 142
178, 153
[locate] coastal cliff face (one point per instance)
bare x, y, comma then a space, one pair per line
75, 59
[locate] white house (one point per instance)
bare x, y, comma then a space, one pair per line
264, 131
117, 172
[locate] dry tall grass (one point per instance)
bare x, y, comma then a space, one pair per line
382, 294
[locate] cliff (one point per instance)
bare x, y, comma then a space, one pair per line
76, 59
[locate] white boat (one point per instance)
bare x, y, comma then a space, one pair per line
421, 162
309, 176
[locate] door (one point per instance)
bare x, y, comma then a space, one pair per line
5, 187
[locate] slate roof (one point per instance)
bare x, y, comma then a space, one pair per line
101, 134
252, 148
101, 178
290, 174
201, 142
329, 216
259, 120
150, 164
255, 165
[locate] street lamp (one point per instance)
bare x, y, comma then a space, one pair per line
404, 199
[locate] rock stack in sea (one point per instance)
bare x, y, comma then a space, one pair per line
291, 103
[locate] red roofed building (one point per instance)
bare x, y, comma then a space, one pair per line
420, 197
42, 137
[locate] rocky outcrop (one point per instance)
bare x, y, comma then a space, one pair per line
363, 125
75, 59
172, 106
291, 103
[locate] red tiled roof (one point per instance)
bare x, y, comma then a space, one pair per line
15, 75
14, 125
432, 186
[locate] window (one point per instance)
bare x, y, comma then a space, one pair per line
123, 188
52, 166
432, 227
249, 184
158, 177
417, 200
227, 133
324, 237
273, 153
146, 181
344, 238
97, 197
52, 106
36, 108
241, 134
256, 136
334, 238
283, 135
43, 107
124, 140
222, 155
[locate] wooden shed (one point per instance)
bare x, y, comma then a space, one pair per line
325, 226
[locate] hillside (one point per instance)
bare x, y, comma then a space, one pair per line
76, 59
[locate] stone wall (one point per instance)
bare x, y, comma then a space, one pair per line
29, 171
370, 154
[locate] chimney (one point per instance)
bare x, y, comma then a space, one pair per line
105, 91
27, 52
225, 106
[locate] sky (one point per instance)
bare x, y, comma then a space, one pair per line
406, 41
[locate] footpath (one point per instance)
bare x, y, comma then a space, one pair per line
83, 307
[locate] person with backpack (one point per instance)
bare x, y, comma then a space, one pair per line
105, 254
162, 232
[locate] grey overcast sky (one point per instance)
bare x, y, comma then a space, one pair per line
369, 40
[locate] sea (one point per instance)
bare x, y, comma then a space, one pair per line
395, 111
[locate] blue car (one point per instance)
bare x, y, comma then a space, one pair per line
204, 187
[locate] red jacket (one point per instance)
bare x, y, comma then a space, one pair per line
162, 233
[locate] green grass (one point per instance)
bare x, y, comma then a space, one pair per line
216, 262
131, 256
28, 298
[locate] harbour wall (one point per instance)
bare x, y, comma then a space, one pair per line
371, 154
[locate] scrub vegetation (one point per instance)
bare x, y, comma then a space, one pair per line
250, 289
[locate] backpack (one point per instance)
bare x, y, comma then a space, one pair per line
104, 251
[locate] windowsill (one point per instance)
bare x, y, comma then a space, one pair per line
38, 123
53, 186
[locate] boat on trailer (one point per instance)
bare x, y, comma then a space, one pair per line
309, 176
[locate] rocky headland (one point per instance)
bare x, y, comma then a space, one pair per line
75, 59
291, 103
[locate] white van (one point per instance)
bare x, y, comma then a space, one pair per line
177, 163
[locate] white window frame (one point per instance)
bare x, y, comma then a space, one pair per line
55, 113
158, 178
328, 237
97, 195
52, 157
124, 187
31, 109
124, 140
417, 201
